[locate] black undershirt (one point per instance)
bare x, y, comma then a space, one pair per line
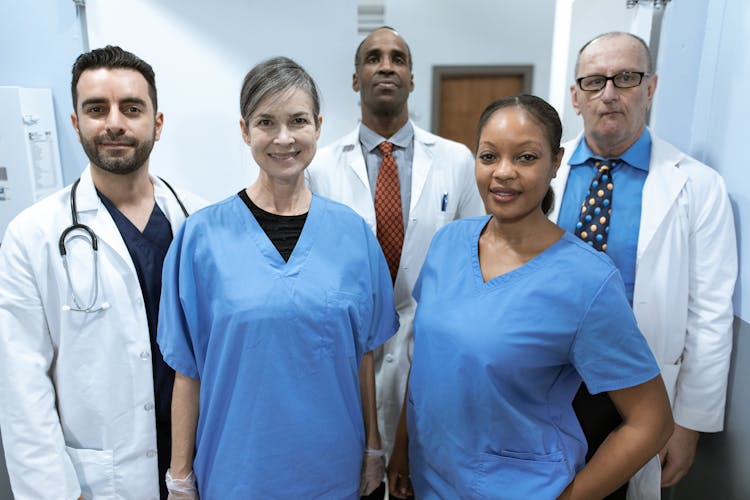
282, 230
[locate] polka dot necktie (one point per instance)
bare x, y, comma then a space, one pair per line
593, 225
388, 215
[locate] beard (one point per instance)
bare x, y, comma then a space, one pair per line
121, 165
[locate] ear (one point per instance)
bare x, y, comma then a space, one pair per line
651, 88
74, 122
574, 99
245, 132
318, 124
158, 124
411, 82
355, 82
557, 161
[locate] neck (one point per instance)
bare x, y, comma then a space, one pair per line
130, 189
530, 235
385, 125
281, 196
611, 149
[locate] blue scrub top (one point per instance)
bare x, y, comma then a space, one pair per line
496, 365
276, 346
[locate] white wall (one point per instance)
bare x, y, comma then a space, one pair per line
201, 51
475, 32
580, 21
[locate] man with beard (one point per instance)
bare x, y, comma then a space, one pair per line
84, 392
406, 183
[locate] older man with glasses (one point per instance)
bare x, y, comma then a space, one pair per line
665, 220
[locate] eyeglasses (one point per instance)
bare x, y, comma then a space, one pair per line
624, 80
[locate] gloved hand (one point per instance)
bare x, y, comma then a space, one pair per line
373, 471
181, 489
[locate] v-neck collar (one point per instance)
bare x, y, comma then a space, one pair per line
529, 267
266, 246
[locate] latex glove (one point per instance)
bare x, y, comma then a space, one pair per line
181, 489
373, 471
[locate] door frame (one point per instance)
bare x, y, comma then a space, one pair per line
438, 72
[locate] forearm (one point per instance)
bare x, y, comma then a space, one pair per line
647, 425
369, 406
185, 409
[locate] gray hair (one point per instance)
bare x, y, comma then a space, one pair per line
272, 77
611, 34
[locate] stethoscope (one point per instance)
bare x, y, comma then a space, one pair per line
78, 303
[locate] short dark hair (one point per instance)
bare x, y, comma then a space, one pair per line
359, 47
610, 34
112, 57
272, 77
543, 113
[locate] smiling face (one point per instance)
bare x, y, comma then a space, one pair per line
514, 165
613, 118
383, 75
282, 133
115, 119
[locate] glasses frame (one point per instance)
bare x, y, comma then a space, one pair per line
641, 74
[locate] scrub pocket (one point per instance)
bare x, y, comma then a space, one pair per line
512, 474
343, 322
95, 470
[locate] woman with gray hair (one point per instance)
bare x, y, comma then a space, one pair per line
273, 300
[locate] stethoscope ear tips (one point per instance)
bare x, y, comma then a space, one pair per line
105, 305
66, 308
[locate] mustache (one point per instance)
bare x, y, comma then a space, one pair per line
108, 139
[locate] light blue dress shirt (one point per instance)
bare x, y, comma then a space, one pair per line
628, 176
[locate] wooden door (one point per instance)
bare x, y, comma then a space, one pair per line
461, 98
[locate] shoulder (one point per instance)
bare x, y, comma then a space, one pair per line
459, 230
441, 143
701, 176
48, 214
339, 212
587, 264
212, 214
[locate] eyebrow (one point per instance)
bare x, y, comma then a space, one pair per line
103, 100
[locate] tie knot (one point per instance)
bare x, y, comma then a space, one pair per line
385, 147
603, 165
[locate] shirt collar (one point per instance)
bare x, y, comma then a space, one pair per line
370, 140
638, 155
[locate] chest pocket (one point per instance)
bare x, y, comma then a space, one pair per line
344, 323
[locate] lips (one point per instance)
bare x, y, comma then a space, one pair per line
504, 193
284, 156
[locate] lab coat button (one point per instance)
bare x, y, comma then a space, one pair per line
148, 406
145, 355
151, 453
389, 358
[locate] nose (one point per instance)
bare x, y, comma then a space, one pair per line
386, 65
504, 170
284, 137
609, 92
115, 125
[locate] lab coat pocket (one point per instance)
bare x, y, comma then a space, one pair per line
344, 321
517, 474
95, 471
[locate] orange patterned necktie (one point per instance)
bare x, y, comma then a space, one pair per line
388, 215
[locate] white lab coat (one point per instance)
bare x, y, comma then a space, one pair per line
686, 266
76, 388
439, 167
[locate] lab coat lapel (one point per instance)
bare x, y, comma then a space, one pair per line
421, 164
664, 182
92, 212
354, 158
559, 181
